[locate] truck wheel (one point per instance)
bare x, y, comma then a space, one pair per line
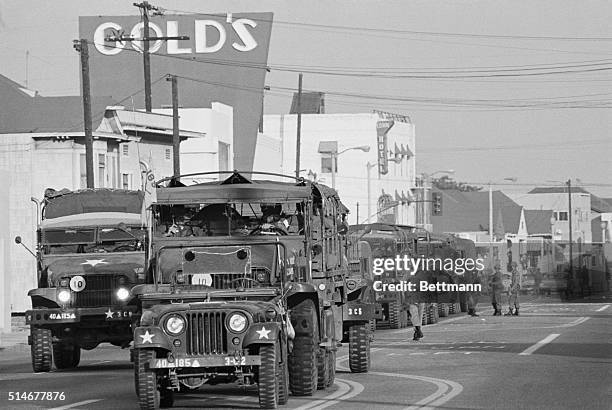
303, 358
283, 379
322, 368
268, 394
394, 315
41, 349
66, 355
359, 349
146, 380
332, 368
451, 308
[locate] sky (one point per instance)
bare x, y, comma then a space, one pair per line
496, 89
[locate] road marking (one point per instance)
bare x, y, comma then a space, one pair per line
601, 309
575, 322
346, 390
539, 344
101, 362
70, 406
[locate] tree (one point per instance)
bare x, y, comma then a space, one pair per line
446, 183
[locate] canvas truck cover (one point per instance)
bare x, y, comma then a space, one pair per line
63, 204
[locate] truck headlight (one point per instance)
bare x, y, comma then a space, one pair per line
122, 294
175, 324
63, 296
237, 322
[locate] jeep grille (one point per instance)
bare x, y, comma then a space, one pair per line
206, 333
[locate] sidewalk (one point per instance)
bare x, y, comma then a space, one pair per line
17, 338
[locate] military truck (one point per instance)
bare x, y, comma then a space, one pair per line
90, 252
249, 283
389, 241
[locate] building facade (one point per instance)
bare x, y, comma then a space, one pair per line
374, 159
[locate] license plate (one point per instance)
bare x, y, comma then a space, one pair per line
210, 361
201, 279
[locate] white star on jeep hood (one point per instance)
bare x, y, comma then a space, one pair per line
147, 337
263, 333
93, 262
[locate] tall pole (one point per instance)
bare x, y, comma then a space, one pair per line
569, 202
369, 166
82, 47
491, 225
146, 57
299, 128
176, 141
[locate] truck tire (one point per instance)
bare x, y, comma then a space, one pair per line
283, 379
303, 357
322, 368
394, 315
66, 355
359, 349
146, 379
268, 394
41, 349
451, 308
443, 309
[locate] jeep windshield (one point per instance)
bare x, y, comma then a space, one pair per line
223, 266
91, 240
229, 219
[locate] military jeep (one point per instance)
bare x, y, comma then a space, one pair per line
90, 252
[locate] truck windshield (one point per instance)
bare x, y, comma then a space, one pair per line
91, 240
229, 219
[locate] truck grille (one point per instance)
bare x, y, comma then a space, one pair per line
206, 333
98, 291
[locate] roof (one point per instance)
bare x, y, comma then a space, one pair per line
556, 190
469, 212
538, 222
63, 203
22, 111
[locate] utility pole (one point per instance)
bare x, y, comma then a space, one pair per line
146, 57
82, 47
299, 129
146, 38
569, 201
176, 141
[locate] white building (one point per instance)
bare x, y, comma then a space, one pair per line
557, 200
388, 172
30, 162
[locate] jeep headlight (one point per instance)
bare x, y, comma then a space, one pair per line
175, 324
122, 294
237, 322
63, 296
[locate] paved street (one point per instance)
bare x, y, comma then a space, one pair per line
555, 355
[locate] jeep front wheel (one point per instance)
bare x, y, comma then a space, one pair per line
267, 376
359, 349
303, 358
146, 380
66, 355
41, 349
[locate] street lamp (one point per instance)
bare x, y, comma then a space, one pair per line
334, 154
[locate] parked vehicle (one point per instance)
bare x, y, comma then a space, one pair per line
90, 252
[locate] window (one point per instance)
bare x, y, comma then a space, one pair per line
83, 168
168, 154
126, 150
562, 216
126, 181
101, 170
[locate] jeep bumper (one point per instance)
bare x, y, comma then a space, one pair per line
75, 315
205, 361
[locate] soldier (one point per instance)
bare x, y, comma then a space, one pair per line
416, 306
472, 277
495, 282
513, 292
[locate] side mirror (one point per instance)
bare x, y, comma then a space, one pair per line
18, 240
